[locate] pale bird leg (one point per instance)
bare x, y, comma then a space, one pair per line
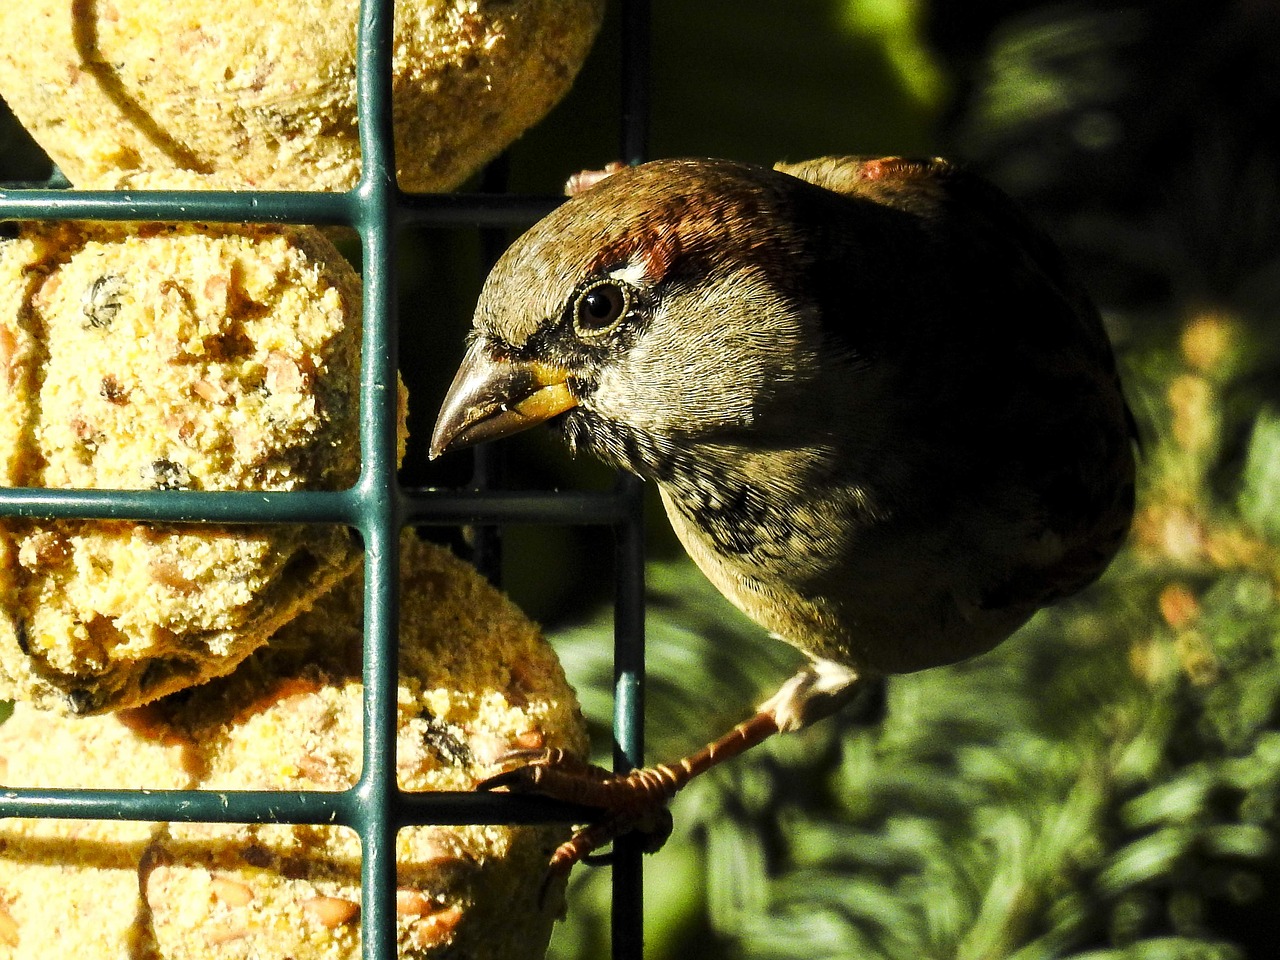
637, 801
586, 179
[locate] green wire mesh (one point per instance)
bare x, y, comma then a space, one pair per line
377, 506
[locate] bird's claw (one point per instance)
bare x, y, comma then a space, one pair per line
629, 803
586, 179
551, 773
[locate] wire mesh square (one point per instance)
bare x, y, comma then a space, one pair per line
377, 506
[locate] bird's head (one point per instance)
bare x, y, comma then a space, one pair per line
660, 305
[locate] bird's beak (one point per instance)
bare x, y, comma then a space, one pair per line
491, 398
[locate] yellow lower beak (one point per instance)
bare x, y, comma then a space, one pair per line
491, 398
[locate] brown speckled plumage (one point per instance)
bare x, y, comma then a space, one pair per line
884, 419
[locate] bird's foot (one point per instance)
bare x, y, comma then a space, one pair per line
634, 802
586, 179
555, 774
630, 803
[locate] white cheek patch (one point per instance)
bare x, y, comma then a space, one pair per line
670, 384
706, 362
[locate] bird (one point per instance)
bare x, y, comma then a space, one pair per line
884, 418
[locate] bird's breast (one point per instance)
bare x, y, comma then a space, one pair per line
834, 578
765, 558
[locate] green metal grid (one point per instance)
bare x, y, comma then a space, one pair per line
377, 506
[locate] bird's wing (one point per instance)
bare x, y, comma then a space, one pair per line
934, 187
1021, 290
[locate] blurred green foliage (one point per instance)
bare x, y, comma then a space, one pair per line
1105, 785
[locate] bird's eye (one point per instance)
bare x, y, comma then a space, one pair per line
600, 307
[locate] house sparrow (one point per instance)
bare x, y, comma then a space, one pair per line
883, 418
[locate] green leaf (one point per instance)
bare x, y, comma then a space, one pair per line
1259, 499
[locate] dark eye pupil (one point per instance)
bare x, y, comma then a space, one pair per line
600, 306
